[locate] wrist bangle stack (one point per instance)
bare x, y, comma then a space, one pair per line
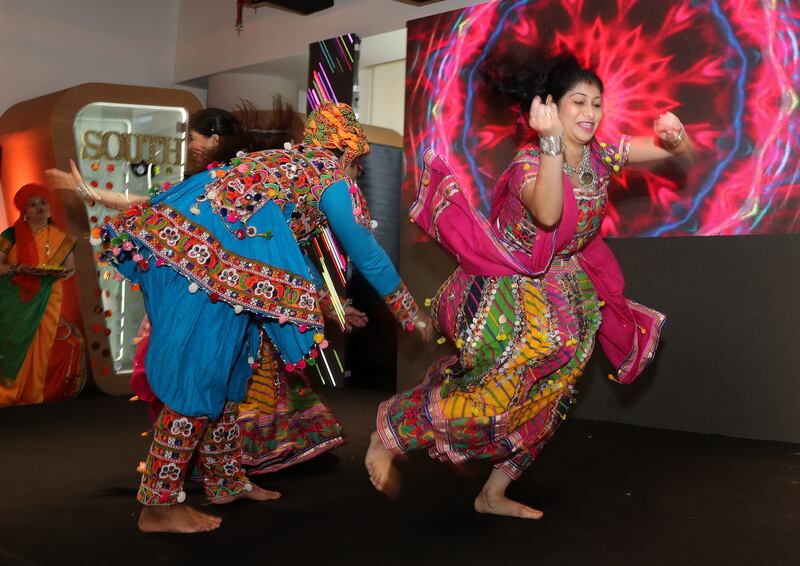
87, 193
551, 145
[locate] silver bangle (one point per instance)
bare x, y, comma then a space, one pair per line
87, 193
551, 145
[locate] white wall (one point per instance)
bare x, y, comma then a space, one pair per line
377, 50
49, 45
208, 43
387, 96
227, 90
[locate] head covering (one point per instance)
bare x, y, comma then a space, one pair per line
25, 241
334, 126
26, 192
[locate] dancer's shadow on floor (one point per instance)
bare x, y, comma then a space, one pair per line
319, 465
117, 491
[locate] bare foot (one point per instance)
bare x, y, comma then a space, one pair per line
379, 462
177, 518
502, 505
141, 468
255, 493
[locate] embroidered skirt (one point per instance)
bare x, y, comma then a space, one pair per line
282, 420
523, 343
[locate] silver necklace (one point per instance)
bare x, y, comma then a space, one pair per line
585, 173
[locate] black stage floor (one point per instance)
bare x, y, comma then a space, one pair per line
611, 494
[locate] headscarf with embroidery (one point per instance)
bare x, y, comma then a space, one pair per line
25, 241
333, 125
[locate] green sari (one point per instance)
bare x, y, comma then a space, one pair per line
20, 320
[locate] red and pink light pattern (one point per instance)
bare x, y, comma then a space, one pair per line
729, 69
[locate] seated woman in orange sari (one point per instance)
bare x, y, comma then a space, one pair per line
34, 258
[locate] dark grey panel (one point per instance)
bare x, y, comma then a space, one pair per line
372, 351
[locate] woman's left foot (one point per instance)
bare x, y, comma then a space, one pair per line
380, 466
255, 494
502, 505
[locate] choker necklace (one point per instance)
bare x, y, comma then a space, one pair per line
585, 173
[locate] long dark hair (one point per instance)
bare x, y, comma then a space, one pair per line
540, 76
267, 129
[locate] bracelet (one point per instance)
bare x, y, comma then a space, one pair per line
87, 193
12, 270
551, 145
403, 306
415, 323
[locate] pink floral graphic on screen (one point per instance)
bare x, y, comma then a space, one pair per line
728, 69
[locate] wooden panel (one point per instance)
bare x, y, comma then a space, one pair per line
36, 135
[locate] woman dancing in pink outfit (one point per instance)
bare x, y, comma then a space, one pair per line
536, 286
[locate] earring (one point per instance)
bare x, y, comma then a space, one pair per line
24, 217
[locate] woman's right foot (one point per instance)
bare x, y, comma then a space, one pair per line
502, 505
179, 518
382, 473
255, 493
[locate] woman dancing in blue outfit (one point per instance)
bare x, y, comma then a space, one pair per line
219, 258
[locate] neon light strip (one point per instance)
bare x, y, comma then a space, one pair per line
330, 373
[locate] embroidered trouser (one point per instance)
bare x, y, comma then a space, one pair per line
175, 439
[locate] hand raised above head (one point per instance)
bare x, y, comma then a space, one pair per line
543, 117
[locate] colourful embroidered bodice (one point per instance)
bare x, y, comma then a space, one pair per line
293, 178
514, 221
296, 177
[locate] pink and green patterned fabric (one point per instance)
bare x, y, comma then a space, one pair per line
523, 309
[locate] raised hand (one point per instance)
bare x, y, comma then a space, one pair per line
84, 191
59, 179
669, 129
543, 117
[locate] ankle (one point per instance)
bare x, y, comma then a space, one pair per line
492, 494
157, 509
